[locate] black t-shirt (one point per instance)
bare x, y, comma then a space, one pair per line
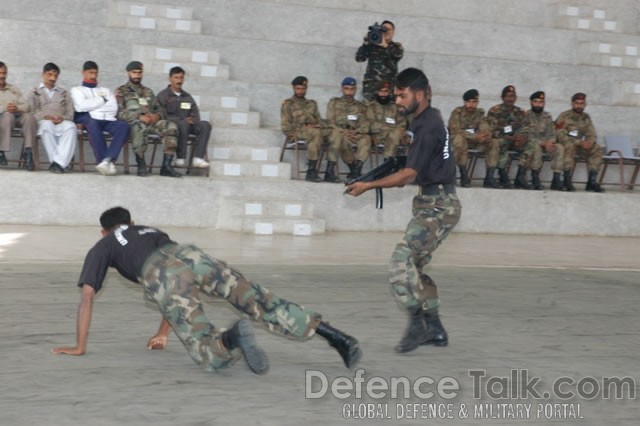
430, 152
126, 248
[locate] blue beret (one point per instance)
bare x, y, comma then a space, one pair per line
349, 81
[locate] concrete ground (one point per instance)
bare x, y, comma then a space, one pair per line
557, 308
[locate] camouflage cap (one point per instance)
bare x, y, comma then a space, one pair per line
299, 81
579, 97
134, 65
384, 84
508, 89
537, 95
470, 94
349, 81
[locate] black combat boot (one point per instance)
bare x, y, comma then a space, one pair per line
592, 185
330, 173
27, 157
489, 180
521, 179
504, 179
465, 182
436, 334
241, 336
142, 165
535, 180
416, 333
3, 159
556, 182
167, 169
346, 345
567, 185
312, 172
357, 171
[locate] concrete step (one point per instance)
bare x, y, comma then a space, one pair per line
279, 225
213, 101
219, 118
138, 8
269, 137
260, 208
240, 152
151, 53
202, 70
156, 24
266, 170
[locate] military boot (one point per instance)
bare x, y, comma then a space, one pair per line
330, 173
241, 336
358, 169
436, 334
167, 168
535, 180
142, 165
504, 179
312, 172
27, 157
592, 185
465, 182
489, 180
416, 333
521, 179
568, 185
556, 182
347, 346
3, 159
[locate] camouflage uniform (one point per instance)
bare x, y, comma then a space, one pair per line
135, 100
295, 114
572, 129
174, 275
382, 65
539, 128
463, 127
387, 125
505, 123
347, 114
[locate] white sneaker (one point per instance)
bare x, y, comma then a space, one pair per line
200, 163
112, 169
179, 162
103, 167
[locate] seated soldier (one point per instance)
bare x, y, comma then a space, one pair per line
300, 120
468, 127
387, 125
346, 118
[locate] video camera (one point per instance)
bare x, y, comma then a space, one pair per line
376, 33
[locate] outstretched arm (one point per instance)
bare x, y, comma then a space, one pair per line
83, 323
159, 341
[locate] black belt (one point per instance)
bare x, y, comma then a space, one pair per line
448, 188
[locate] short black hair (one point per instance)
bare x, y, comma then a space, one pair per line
3, 65
50, 66
176, 70
115, 216
413, 79
89, 65
388, 22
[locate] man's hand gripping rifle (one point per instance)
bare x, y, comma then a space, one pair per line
390, 166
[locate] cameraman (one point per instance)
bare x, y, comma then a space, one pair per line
383, 59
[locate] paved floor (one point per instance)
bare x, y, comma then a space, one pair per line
556, 308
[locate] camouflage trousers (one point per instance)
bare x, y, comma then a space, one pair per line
174, 277
390, 138
313, 137
527, 152
490, 149
592, 156
166, 129
434, 216
556, 156
340, 144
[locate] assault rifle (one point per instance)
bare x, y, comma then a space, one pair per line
390, 166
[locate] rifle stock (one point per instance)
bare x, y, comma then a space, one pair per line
390, 166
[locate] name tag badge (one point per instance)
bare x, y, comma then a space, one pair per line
143, 101
352, 117
185, 105
508, 129
472, 131
390, 120
573, 133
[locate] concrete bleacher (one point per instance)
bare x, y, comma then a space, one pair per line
240, 57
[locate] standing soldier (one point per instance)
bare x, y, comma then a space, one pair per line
540, 131
383, 60
137, 104
578, 136
300, 120
469, 127
436, 211
347, 119
387, 125
506, 120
